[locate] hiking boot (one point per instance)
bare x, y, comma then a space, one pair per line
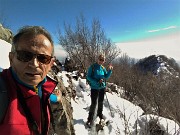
89, 124
102, 123
101, 116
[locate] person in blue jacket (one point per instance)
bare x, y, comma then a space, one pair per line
97, 76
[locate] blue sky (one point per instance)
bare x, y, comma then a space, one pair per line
122, 20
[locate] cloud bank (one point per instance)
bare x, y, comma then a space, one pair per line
60, 53
165, 45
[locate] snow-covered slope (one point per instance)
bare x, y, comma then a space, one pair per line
5, 48
125, 117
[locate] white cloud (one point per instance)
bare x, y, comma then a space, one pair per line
59, 52
154, 30
167, 45
167, 28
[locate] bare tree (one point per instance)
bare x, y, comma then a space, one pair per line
84, 43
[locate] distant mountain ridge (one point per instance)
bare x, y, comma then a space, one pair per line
159, 64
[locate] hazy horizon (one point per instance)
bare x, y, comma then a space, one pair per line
167, 45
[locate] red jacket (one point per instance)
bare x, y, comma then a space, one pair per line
15, 122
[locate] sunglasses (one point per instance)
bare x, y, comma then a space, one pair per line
101, 59
26, 56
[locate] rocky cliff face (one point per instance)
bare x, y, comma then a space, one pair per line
6, 34
62, 111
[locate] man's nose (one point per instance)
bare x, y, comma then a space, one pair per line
34, 61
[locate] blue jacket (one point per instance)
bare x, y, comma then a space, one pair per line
95, 73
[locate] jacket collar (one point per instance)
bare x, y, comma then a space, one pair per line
24, 84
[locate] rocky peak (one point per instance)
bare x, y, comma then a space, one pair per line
5, 34
159, 64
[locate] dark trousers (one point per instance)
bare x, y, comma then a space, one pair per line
96, 95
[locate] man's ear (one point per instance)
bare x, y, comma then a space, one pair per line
11, 56
52, 62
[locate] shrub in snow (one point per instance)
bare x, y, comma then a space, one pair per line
154, 125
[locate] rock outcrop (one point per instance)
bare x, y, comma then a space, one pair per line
62, 111
6, 34
158, 64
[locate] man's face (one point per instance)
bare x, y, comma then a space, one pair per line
32, 72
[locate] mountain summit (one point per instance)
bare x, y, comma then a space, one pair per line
157, 64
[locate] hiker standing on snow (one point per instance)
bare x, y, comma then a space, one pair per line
97, 76
27, 85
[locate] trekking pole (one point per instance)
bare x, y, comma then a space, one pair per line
108, 102
109, 106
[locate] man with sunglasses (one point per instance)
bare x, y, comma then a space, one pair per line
28, 86
97, 76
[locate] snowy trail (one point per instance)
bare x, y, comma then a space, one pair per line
126, 117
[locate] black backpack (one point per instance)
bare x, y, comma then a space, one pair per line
92, 74
3, 99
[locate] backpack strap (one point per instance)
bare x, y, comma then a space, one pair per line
4, 100
92, 73
52, 118
32, 123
